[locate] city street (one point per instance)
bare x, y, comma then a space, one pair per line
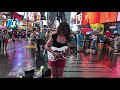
20, 55
94, 42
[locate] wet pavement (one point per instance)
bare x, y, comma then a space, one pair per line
92, 67
20, 55
17, 57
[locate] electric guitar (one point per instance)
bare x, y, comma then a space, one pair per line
62, 51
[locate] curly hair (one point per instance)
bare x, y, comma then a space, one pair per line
64, 28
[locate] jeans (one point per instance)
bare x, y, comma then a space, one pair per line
93, 44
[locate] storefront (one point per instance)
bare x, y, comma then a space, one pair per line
118, 27
111, 27
118, 23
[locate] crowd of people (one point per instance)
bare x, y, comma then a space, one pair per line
36, 37
6, 35
98, 43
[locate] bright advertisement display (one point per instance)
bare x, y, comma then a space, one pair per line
73, 17
79, 19
98, 27
98, 17
84, 18
93, 17
21, 13
118, 16
108, 17
38, 16
29, 15
73, 23
90, 17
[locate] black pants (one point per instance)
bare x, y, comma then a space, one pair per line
4, 45
0, 43
38, 44
86, 45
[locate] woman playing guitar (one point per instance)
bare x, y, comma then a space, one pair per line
58, 41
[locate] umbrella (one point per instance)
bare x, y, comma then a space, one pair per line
92, 32
3, 28
108, 33
84, 30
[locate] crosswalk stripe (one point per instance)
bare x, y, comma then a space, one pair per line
86, 69
86, 65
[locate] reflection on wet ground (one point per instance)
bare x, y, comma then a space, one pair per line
90, 66
18, 56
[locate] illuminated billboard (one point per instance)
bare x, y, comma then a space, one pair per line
73, 17
118, 16
108, 17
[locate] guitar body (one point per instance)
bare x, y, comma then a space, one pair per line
61, 51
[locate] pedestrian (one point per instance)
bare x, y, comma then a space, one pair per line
111, 44
94, 41
29, 38
42, 40
47, 35
38, 38
116, 42
87, 43
58, 40
1, 38
13, 36
5, 39
80, 41
32, 38
19, 36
